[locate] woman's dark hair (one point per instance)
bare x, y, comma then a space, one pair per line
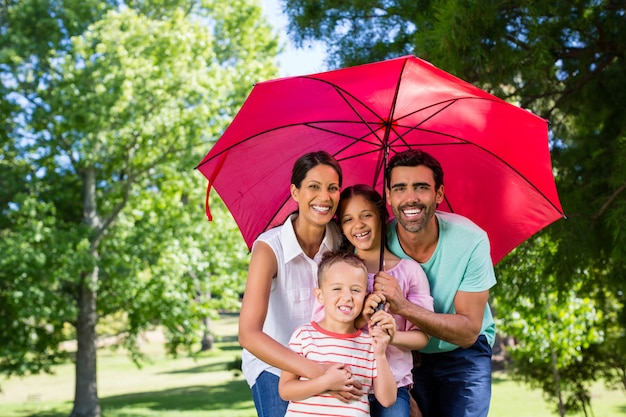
309, 161
413, 158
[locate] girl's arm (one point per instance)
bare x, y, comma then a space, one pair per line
410, 340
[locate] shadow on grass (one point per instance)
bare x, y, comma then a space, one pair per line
48, 413
231, 395
229, 348
212, 367
495, 380
227, 339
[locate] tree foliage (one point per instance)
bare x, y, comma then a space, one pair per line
564, 60
109, 106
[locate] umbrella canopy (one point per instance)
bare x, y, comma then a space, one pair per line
495, 156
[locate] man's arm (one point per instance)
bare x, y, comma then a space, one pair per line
461, 328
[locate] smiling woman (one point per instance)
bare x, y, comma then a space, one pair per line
282, 275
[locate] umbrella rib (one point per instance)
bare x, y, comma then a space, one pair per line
465, 142
286, 200
310, 124
345, 135
344, 93
307, 124
269, 223
382, 160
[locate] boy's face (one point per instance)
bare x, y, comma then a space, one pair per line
342, 292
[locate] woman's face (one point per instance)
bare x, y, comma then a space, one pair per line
318, 195
360, 223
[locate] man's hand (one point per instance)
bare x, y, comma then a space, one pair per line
386, 287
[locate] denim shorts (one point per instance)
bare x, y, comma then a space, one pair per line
455, 383
267, 401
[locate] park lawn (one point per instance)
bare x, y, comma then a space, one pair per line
204, 386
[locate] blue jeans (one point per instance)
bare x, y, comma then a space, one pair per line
401, 408
267, 401
456, 383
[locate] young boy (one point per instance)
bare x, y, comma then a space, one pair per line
351, 355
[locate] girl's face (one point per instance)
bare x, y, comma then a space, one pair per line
318, 195
360, 223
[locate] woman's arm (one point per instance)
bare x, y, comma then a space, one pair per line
262, 269
292, 388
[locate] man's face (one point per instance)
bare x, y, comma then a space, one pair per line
413, 197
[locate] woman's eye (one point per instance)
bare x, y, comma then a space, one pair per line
334, 188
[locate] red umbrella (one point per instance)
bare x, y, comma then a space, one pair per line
494, 155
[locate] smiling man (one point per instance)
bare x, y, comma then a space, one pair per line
453, 377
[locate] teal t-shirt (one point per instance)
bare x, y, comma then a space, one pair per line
461, 261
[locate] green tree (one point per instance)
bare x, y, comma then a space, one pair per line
560, 336
108, 107
564, 60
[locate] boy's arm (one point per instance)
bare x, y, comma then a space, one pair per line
292, 388
385, 388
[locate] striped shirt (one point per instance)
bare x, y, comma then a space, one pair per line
354, 350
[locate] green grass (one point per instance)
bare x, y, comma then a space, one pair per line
187, 387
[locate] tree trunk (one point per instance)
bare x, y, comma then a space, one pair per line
557, 380
86, 401
207, 337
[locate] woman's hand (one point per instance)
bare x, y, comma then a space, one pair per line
349, 392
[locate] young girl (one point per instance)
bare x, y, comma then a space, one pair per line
281, 277
362, 215
342, 290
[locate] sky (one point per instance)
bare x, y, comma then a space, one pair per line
293, 61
